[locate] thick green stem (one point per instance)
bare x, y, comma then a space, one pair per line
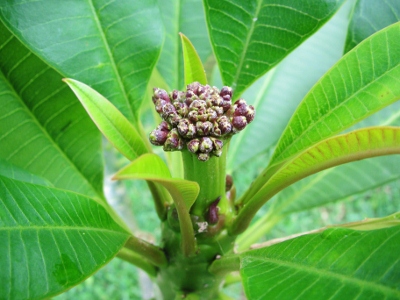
210, 176
152, 253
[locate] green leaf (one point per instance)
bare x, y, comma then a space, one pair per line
111, 122
14, 172
335, 264
112, 46
193, 68
250, 37
152, 168
277, 94
51, 239
360, 144
42, 122
369, 17
361, 83
186, 16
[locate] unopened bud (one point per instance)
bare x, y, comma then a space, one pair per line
186, 128
239, 123
173, 141
203, 156
193, 145
206, 145
204, 128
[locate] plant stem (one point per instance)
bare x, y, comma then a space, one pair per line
152, 253
138, 261
210, 176
224, 265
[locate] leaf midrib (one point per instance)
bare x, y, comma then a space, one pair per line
63, 228
363, 284
277, 158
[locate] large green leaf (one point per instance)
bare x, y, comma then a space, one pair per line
250, 37
12, 171
277, 94
111, 122
369, 17
335, 264
43, 127
112, 46
51, 239
151, 167
186, 16
360, 144
361, 83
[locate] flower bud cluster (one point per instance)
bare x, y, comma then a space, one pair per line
201, 118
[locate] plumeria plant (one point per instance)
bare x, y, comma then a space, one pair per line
279, 89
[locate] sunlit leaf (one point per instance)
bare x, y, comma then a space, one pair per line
43, 127
335, 264
193, 68
250, 37
369, 17
51, 239
112, 46
360, 144
361, 83
151, 167
111, 122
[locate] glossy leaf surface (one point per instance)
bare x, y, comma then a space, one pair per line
335, 264
112, 46
43, 127
151, 167
250, 37
193, 68
51, 239
361, 83
360, 144
186, 16
277, 94
369, 17
111, 122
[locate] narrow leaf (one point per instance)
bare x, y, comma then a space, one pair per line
193, 68
369, 17
151, 167
51, 239
112, 46
111, 122
335, 264
360, 144
361, 83
251, 37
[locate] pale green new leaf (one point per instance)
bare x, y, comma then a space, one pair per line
368, 17
43, 127
250, 37
193, 68
335, 264
51, 239
152, 168
360, 144
110, 45
111, 122
364, 81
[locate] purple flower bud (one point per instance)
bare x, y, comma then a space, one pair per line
218, 144
203, 156
222, 126
194, 87
204, 128
177, 95
174, 119
226, 91
206, 145
173, 141
159, 105
197, 104
158, 137
160, 94
193, 145
239, 123
186, 128
250, 114
212, 115
193, 116
213, 212
167, 110
181, 108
